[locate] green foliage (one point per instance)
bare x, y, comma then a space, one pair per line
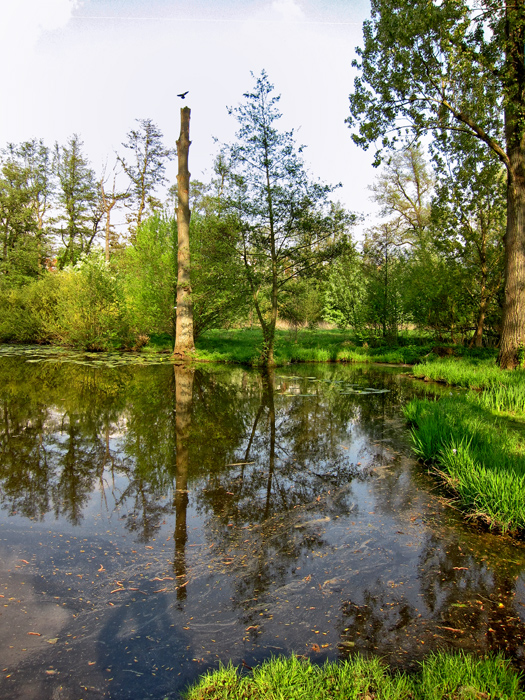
441, 677
301, 303
148, 271
219, 289
28, 312
345, 291
18, 241
482, 466
77, 223
90, 312
288, 225
145, 170
428, 66
478, 455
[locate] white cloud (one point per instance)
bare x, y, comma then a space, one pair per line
289, 10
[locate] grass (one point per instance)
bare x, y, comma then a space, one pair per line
502, 390
480, 457
244, 346
441, 677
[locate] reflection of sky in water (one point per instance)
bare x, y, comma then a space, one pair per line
320, 537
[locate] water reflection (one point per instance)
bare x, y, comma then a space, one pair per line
184, 516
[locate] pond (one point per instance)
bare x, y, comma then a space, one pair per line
157, 520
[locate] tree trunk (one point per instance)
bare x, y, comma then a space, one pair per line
513, 325
477, 338
184, 324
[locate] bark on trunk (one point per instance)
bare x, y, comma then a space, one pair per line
513, 325
184, 344
477, 339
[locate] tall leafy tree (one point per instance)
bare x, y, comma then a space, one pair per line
145, 170
79, 210
18, 250
469, 217
288, 226
383, 264
109, 199
35, 157
442, 65
403, 190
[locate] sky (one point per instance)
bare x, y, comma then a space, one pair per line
92, 67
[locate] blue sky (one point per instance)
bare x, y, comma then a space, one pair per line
92, 67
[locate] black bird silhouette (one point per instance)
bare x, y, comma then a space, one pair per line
182, 95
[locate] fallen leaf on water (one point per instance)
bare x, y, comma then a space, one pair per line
51, 672
451, 629
166, 578
91, 663
52, 641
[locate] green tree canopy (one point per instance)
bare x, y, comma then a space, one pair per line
452, 65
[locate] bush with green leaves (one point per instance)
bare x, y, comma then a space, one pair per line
148, 272
90, 310
27, 313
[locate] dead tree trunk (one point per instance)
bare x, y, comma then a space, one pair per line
184, 318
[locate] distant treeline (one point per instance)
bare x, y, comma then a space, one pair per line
266, 241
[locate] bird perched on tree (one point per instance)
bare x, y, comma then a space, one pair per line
182, 95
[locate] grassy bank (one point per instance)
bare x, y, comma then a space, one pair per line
502, 391
441, 677
244, 346
468, 439
478, 456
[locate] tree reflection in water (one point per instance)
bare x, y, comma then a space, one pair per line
277, 511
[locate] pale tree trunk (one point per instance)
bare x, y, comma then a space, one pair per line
183, 406
184, 320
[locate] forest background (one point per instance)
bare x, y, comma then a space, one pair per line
71, 273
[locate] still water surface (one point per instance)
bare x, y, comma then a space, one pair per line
157, 520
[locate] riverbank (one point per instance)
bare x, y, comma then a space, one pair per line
442, 676
474, 441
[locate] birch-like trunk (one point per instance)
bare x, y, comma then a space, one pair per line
184, 344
